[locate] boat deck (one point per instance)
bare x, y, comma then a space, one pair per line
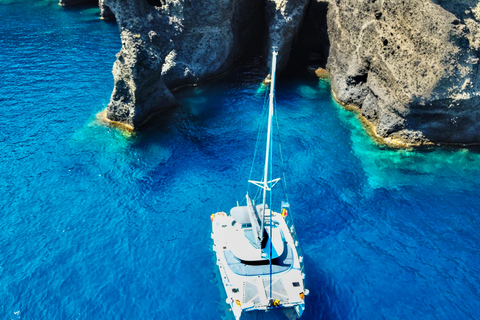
280, 264
249, 282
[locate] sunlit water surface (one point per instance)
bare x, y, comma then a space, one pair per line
97, 224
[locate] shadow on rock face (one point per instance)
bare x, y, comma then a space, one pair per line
312, 45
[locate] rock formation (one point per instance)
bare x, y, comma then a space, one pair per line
105, 11
171, 43
411, 67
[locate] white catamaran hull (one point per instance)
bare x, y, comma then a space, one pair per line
256, 252
248, 286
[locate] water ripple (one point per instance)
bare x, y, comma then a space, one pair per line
99, 224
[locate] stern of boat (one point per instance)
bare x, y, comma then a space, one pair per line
299, 308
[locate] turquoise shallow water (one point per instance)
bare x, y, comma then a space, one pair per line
95, 224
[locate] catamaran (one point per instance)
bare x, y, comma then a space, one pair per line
256, 248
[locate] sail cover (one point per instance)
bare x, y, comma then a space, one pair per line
256, 221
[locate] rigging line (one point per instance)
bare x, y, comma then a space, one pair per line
271, 208
284, 182
257, 195
243, 200
279, 136
257, 142
285, 188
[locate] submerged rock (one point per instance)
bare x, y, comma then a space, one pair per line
411, 67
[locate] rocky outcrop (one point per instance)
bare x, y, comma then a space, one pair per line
138, 89
105, 12
171, 43
410, 66
167, 44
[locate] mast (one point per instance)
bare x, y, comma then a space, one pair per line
270, 116
265, 184
268, 154
269, 132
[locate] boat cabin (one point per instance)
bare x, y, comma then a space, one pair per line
243, 254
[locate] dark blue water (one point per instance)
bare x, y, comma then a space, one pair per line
97, 224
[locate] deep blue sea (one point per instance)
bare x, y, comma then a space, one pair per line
99, 224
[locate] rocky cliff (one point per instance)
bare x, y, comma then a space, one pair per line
171, 43
411, 67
